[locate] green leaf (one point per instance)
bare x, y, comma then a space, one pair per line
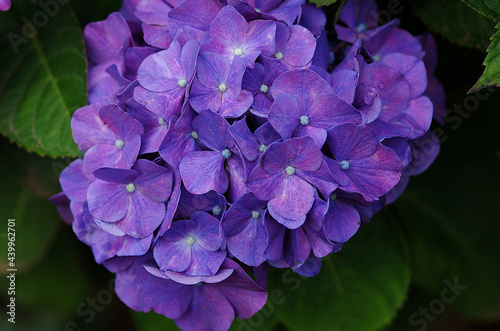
455, 21
42, 81
28, 183
489, 8
320, 3
153, 321
56, 286
491, 75
361, 288
453, 227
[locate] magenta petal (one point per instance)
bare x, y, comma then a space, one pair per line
291, 207
204, 171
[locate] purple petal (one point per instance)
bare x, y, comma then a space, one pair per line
204, 171
212, 130
342, 221
108, 202
284, 115
295, 201
153, 181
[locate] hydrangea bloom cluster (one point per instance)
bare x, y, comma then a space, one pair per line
226, 136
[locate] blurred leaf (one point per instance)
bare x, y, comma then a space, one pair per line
153, 321
452, 231
489, 8
42, 80
491, 75
29, 181
456, 21
320, 3
57, 285
360, 288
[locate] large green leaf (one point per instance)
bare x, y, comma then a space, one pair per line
42, 79
450, 215
456, 21
360, 288
491, 75
489, 8
29, 181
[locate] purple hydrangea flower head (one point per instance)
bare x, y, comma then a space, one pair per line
133, 199
305, 105
231, 35
191, 246
286, 10
362, 165
286, 176
218, 86
203, 171
272, 140
5, 5
244, 228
